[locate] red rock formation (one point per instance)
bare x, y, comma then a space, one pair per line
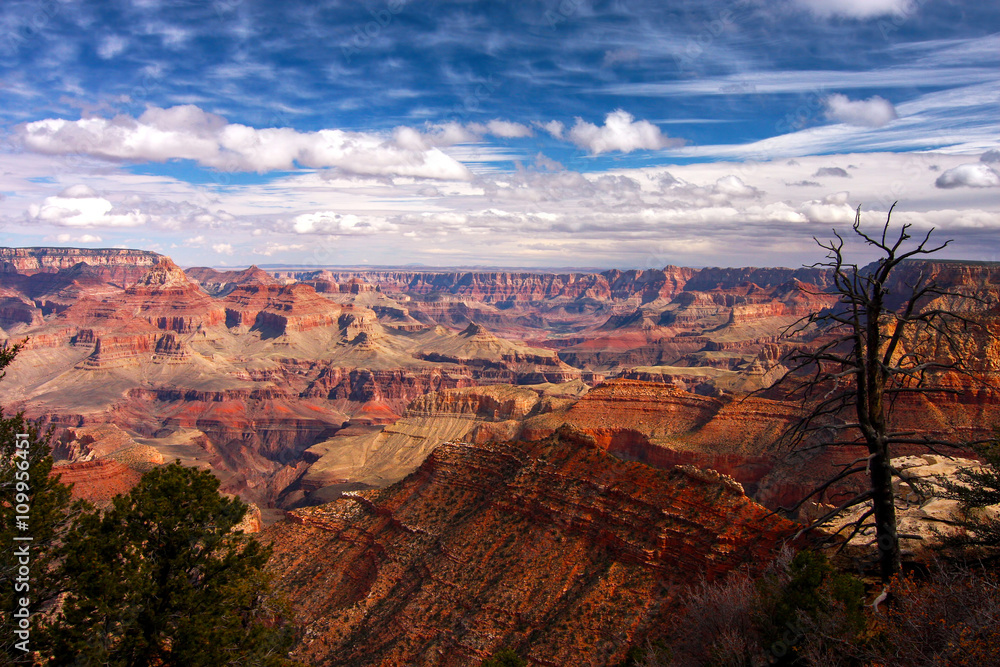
221, 283
97, 481
114, 265
168, 300
279, 309
552, 548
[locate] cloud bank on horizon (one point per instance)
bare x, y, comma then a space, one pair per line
443, 132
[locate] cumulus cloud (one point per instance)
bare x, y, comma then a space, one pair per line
874, 112
545, 163
977, 175
733, 186
189, 133
337, 224
621, 132
856, 9
804, 184
84, 211
436, 135
832, 209
223, 248
831, 171
665, 180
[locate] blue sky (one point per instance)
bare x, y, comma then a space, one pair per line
562, 133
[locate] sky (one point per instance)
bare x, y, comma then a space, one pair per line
559, 133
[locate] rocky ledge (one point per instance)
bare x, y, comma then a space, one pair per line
553, 548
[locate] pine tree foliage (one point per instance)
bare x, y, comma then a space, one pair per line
978, 488
161, 579
25, 480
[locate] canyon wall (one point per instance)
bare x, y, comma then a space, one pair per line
552, 548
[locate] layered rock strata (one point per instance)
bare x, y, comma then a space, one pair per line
552, 548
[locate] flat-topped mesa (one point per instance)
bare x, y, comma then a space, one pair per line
117, 262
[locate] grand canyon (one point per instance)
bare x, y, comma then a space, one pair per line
617, 333
449, 462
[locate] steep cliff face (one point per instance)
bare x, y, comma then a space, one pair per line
508, 286
553, 548
276, 310
121, 266
168, 300
101, 461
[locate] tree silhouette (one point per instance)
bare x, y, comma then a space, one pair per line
882, 339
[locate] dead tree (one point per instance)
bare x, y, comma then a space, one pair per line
880, 341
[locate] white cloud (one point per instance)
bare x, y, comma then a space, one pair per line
111, 46
832, 209
621, 132
733, 186
857, 9
508, 129
195, 240
84, 211
977, 175
553, 127
873, 112
436, 135
337, 224
545, 163
223, 248
189, 133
